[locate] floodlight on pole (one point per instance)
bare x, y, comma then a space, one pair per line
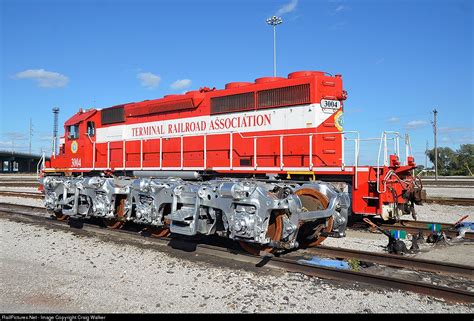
274, 21
55, 131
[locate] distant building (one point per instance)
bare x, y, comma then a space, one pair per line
13, 162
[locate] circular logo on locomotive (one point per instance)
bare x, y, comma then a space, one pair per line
74, 147
339, 120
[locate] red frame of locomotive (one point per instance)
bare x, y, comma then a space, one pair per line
281, 128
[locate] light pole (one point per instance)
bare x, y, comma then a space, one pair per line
274, 21
55, 130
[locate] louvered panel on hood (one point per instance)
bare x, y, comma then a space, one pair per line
284, 96
154, 107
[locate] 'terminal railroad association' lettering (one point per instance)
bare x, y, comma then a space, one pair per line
212, 125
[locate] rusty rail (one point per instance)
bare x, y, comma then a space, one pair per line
22, 194
397, 261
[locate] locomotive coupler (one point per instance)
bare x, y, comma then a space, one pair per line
418, 195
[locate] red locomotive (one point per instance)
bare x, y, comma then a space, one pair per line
250, 143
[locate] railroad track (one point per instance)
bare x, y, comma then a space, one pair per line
427, 228
444, 268
287, 263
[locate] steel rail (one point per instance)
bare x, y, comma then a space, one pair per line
448, 183
427, 228
415, 227
468, 201
291, 265
19, 184
22, 194
397, 261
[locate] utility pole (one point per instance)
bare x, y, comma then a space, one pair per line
274, 21
55, 130
435, 130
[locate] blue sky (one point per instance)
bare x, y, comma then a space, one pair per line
399, 59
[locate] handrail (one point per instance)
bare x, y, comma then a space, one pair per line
255, 153
383, 141
41, 163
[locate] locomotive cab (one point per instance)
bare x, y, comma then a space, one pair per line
79, 135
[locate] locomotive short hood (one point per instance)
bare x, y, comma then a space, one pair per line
80, 116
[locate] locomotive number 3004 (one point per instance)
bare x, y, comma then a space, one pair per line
331, 104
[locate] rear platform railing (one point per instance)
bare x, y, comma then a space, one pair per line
395, 137
41, 165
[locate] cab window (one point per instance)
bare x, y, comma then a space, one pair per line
90, 128
73, 132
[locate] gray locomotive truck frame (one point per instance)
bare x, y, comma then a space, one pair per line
232, 208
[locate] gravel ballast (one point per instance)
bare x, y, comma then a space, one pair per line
50, 270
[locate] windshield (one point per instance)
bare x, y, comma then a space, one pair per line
73, 131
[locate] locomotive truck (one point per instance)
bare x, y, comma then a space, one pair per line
262, 163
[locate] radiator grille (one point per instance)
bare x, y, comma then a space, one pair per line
227, 104
161, 107
112, 115
285, 96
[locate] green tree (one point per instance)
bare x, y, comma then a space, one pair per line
465, 159
459, 162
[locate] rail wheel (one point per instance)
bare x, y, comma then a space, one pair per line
274, 232
161, 231
310, 233
60, 216
117, 222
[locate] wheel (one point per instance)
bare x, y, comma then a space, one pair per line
117, 221
60, 216
159, 231
310, 233
274, 232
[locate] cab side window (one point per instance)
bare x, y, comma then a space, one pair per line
73, 132
90, 128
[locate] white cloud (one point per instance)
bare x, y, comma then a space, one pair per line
415, 124
44, 78
341, 7
149, 80
338, 25
5, 144
47, 138
455, 129
287, 8
393, 120
181, 84
15, 136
